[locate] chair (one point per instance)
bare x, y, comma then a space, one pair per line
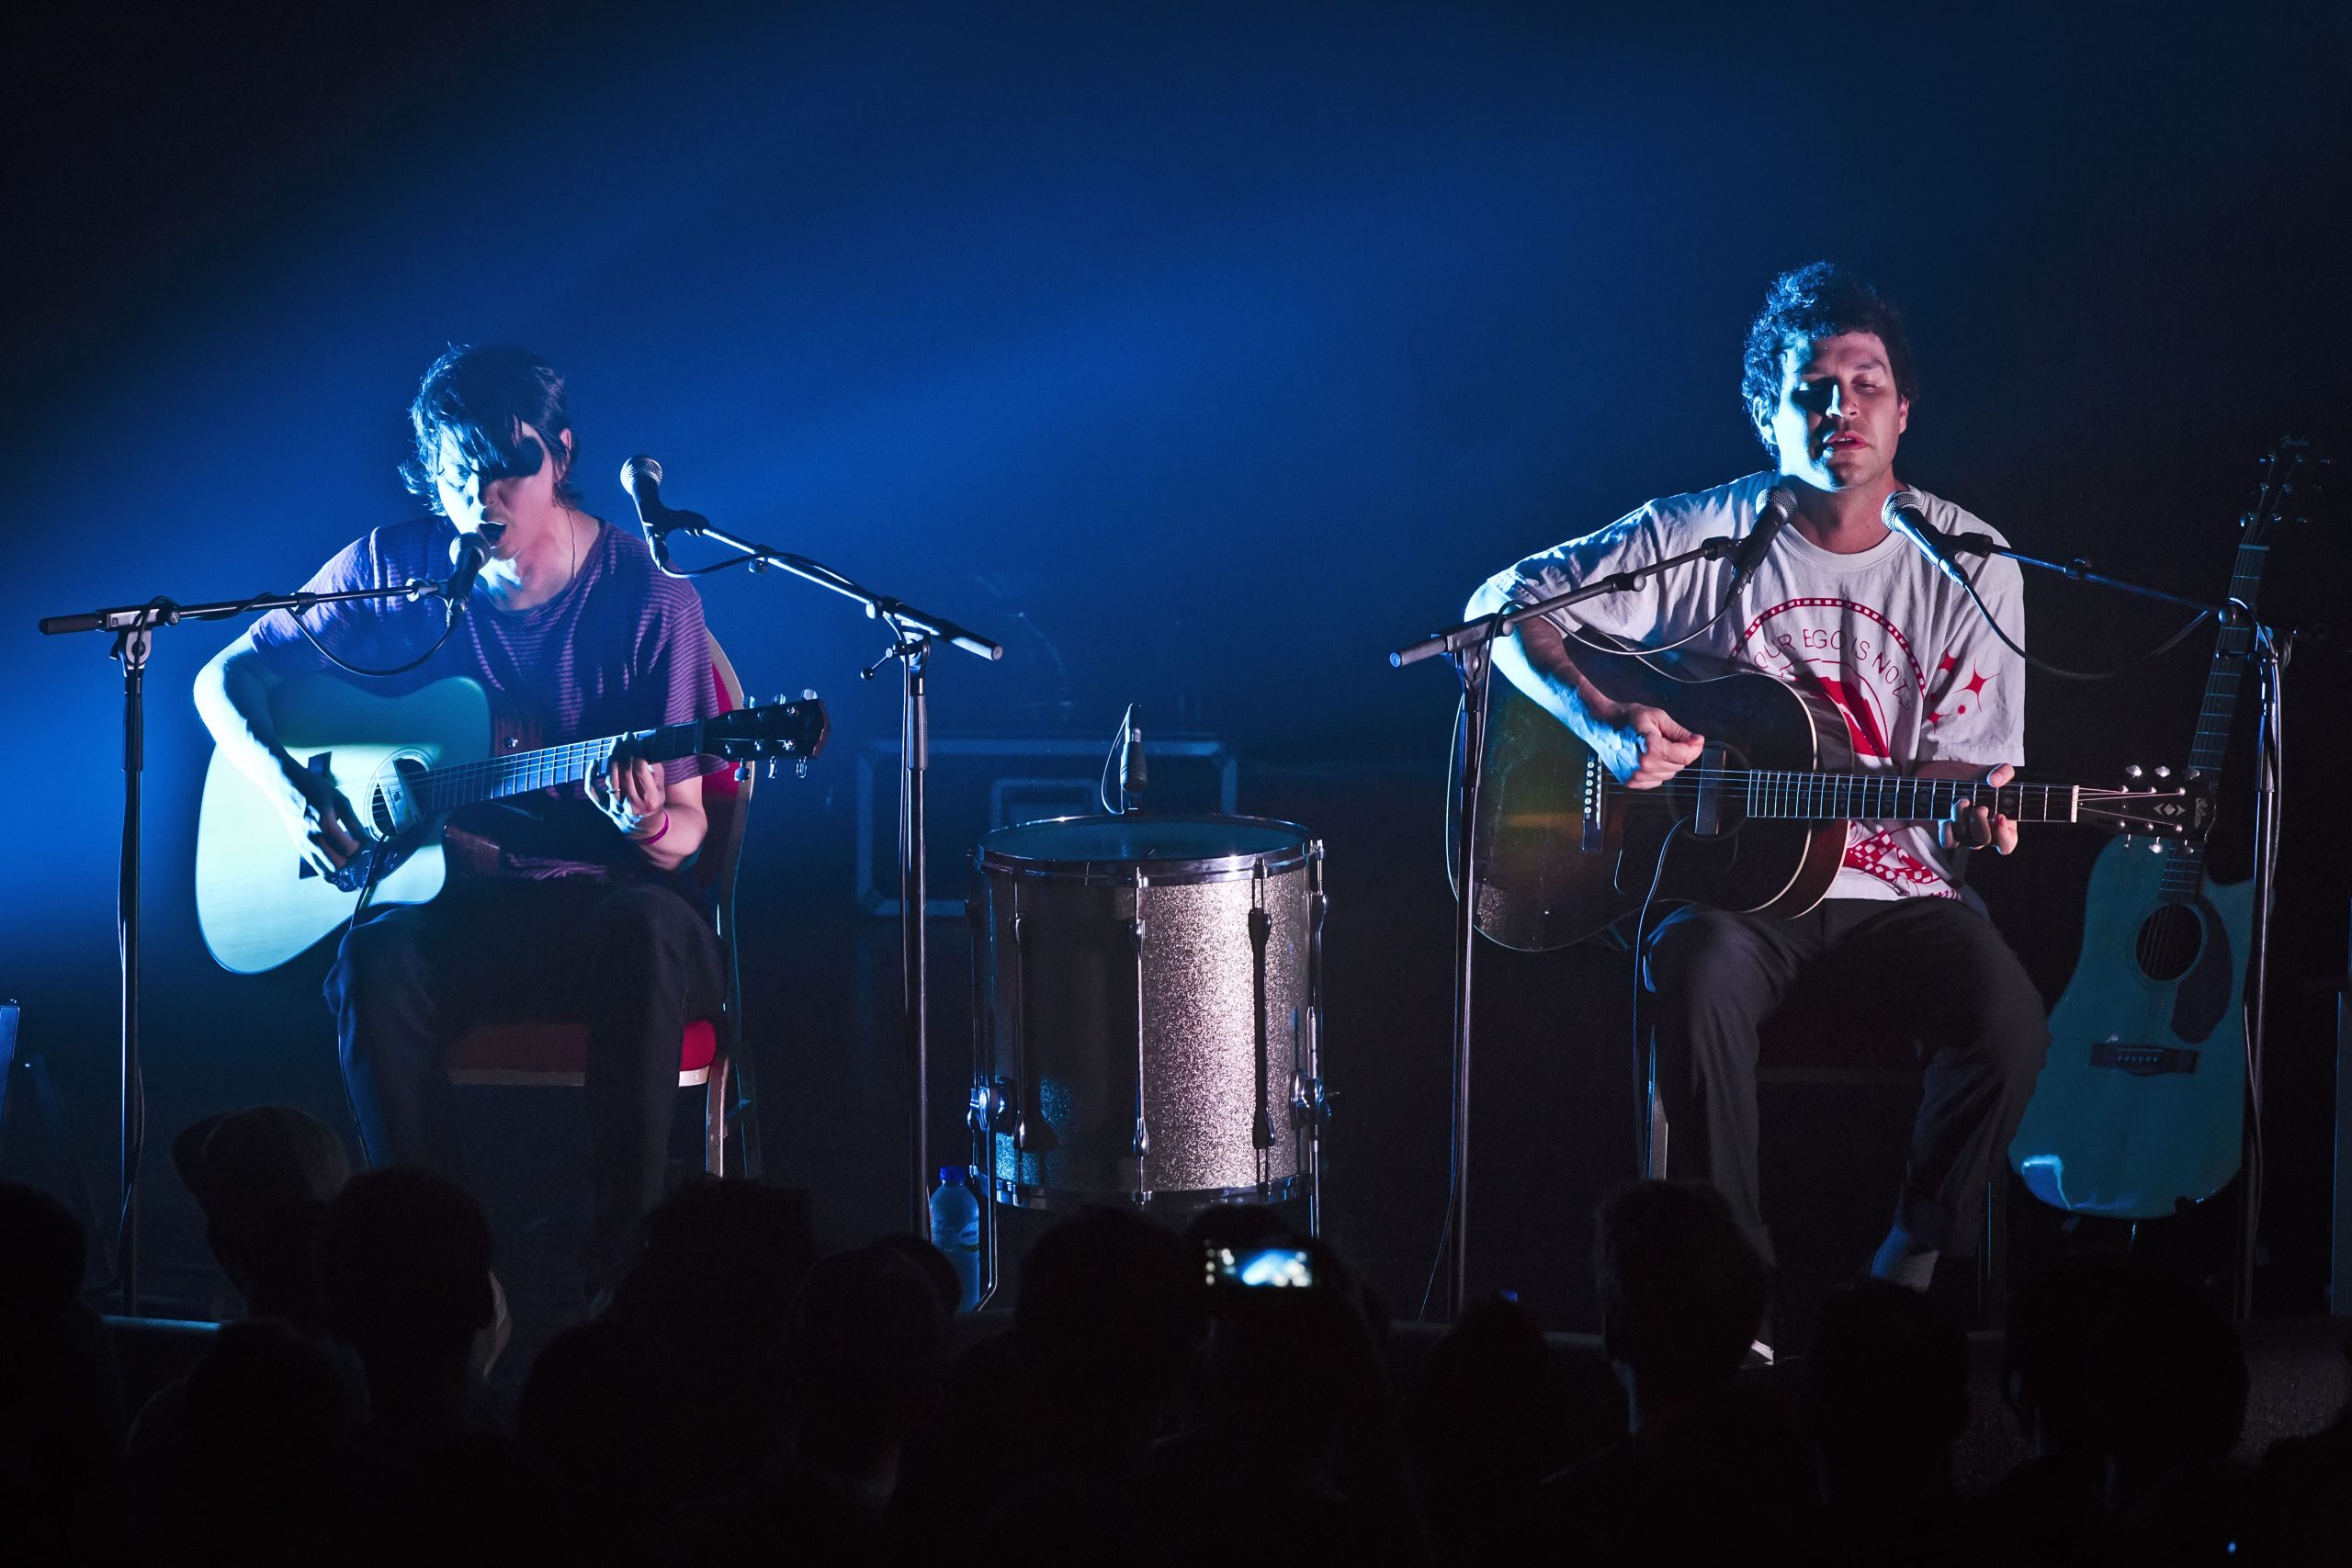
710, 1054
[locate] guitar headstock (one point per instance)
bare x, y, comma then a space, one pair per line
2153, 803
2289, 478
789, 729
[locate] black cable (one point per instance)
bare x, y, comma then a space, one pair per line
2269, 760
1102, 785
1967, 581
372, 674
1731, 596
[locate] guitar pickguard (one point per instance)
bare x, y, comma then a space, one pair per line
378, 859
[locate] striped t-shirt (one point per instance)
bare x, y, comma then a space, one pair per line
622, 648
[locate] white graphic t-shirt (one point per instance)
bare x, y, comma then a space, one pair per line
1887, 638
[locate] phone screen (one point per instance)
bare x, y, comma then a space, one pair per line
1268, 1268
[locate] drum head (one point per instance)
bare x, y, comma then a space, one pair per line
1163, 849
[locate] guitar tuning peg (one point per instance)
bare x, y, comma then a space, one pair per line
2155, 845
2131, 770
2164, 772
807, 693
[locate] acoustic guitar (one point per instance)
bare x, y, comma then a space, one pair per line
2140, 1107
402, 764
1564, 850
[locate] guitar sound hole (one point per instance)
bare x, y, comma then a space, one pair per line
2170, 939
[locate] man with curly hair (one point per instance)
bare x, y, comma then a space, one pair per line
1857, 614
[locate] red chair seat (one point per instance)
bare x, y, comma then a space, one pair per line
532, 1048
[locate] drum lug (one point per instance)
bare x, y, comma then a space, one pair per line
995, 1105
1139, 1144
1310, 1103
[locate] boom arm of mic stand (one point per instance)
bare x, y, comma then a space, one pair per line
1465, 634
2079, 570
900, 615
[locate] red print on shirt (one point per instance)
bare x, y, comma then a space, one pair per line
1877, 855
1867, 670
1949, 685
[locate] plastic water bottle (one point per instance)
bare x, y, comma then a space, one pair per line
956, 1231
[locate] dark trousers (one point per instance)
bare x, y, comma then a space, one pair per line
1929, 971
632, 961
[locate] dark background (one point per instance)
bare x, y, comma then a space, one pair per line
1201, 353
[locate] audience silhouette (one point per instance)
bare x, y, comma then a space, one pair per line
1886, 1397
1709, 1468
1157, 1397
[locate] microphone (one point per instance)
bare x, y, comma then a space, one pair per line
1779, 505
641, 477
469, 553
1904, 515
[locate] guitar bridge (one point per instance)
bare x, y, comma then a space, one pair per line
1595, 780
2142, 1061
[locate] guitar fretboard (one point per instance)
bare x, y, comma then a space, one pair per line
1791, 795
464, 783
2225, 677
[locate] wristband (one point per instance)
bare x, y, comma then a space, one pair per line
649, 843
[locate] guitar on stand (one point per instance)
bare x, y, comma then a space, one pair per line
401, 765
2141, 1109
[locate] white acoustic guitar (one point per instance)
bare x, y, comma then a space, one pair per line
403, 764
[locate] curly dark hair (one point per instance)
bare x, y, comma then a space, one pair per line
491, 399
1816, 300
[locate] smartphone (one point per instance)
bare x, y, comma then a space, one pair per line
1268, 1268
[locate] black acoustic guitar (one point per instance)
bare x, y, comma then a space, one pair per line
1564, 850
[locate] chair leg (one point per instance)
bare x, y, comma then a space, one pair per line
714, 1119
1993, 1263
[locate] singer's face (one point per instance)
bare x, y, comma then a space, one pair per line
1838, 417
470, 501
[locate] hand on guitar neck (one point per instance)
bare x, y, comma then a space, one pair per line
1978, 827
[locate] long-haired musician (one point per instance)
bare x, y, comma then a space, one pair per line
562, 903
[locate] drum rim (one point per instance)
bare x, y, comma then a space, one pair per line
1156, 872
1044, 1197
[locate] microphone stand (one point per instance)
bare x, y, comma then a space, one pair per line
134, 627
1472, 645
2272, 648
912, 634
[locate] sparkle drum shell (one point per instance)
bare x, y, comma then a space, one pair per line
1145, 1009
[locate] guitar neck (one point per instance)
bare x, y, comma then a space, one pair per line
496, 778
1825, 798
